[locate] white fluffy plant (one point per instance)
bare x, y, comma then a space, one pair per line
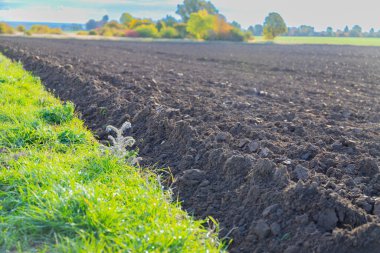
120, 143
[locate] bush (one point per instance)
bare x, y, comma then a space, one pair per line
111, 31
248, 36
39, 29
181, 29
132, 34
43, 29
106, 32
140, 22
147, 31
93, 32
200, 24
21, 28
82, 33
114, 25
55, 31
169, 32
6, 29
236, 35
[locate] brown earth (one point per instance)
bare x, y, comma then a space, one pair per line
280, 144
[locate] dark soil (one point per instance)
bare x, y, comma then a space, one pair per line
280, 144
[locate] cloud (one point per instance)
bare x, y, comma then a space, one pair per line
320, 14
50, 14
154, 3
8, 4
80, 11
102, 1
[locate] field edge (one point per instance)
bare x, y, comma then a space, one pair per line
60, 192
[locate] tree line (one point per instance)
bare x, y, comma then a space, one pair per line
199, 19
306, 30
35, 29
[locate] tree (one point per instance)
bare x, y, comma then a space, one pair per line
236, 25
91, 24
274, 25
104, 21
251, 29
346, 29
329, 32
221, 29
356, 31
256, 30
181, 29
200, 23
126, 18
191, 6
160, 25
170, 21
105, 18
305, 30
372, 32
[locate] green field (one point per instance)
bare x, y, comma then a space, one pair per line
323, 40
61, 191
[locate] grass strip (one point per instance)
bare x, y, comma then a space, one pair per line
59, 192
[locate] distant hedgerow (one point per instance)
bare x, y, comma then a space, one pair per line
5, 28
169, 32
147, 31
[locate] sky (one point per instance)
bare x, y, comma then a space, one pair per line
317, 13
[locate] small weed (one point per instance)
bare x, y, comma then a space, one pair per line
59, 114
103, 111
285, 237
121, 143
43, 102
68, 137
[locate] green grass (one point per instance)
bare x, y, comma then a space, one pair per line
324, 40
60, 193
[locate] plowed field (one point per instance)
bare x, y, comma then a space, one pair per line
280, 144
